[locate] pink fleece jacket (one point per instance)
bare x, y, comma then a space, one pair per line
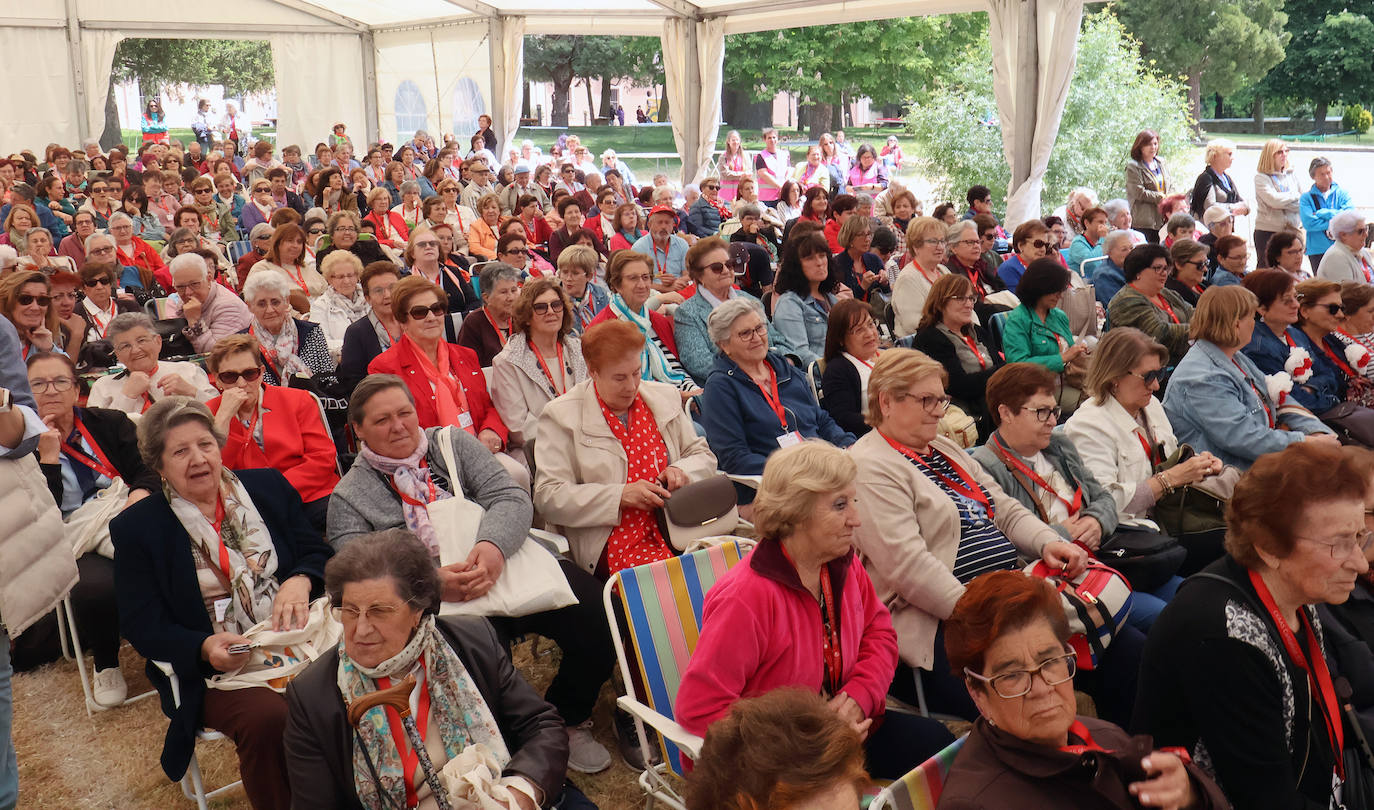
761, 630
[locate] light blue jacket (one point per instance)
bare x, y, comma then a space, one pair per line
674, 264
1316, 210
694, 346
1080, 251
801, 326
1212, 405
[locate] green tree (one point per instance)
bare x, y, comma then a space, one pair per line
1112, 96
563, 58
1327, 59
553, 58
1224, 44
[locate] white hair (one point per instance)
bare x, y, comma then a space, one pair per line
189, 261
95, 237
1084, 192
1109, 242
957, 230
265, 281
1345, 222
722, 320
118, 218
1115, 208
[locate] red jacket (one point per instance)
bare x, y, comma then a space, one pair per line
663, 327
296, 441
464, 362
397, 224
145, 258
762, 630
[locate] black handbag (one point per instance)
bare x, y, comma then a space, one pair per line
175, 344
1145, 557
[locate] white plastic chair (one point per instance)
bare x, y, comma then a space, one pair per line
193, 784
70, 641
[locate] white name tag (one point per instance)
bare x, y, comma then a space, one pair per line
221, 608
789, 439
465, 420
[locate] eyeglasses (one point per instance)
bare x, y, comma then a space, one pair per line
419, 313
59, 384
1017, 683
710, 188
64, 296
1193, 262
969, 242
964, 299
517, 252
96, 282
249, 375
1043, 415
933, 243
746, 335
315, 231
25, 300
1334, 309
427, 244
145, 342
1155, 377
374, 613
869, 325
719, 268
987, 237
555, 306
931, 403
1038, 244
1340, 549
105, 249
205, 191
345, 229
185, 288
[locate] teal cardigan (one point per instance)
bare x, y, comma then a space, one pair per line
1027, 339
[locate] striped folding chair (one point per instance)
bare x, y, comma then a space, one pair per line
661, 604
237, 250
920, 789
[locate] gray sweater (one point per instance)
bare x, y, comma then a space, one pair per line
1097, 501
364, 502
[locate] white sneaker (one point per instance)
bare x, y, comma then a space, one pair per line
110, 689
585, 754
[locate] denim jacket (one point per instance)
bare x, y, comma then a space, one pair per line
1323, 391
694, 346
1212, 404
801, 325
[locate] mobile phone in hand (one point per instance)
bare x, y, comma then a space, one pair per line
235, 649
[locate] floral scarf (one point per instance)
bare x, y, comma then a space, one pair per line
244, 537
279, 350
355, 307
410, 478
463, 716
658, 365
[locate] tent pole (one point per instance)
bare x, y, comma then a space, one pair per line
691, 115
370, 110
1027, 91
496, 39
83, 117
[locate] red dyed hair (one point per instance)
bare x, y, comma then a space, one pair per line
609, 341
993, 605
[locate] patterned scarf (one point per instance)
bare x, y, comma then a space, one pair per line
455, 704
356, 307
243, 535
280, 350
657, 366
409, 476
636, 540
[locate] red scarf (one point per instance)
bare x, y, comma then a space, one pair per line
636, 540
449, 397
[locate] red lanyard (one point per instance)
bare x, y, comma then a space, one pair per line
218, 525
925, 275
1081, 732
774, 399
114, 310
1318, 675
969, 488
1339, 361
1149, 451
300, 280
973, 346
1368, 276
410, 759
1268, 414
562, 373
974, 276
433, 493
497, 329
832, 657
99, 463
662, 269
1159, 304
1073, 506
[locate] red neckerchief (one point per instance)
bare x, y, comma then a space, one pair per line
975, 277
218, 524
832, 657
771, 395
269, 356
1340, 362
410, 759
97, 462
1073, 506
1160, 304
495, 328
549, 373
1269, 415
1318, 675
969, 488
433, 493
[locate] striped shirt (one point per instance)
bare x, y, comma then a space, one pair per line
982, 546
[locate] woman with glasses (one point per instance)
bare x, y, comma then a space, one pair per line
73, 246
342, 302
1030, 241
1336, 390
146, 224
145, 379
1348, 259
1277, 194
1147, 304
425, 256
964, 256
542, 360
25, 300
1268, 718
131, 251
851, 347
860, 270
342, 229
708, 211
949, 336
1008, 641
99, 203
271, 425
290, 347
923, 266
99, 304
1188, 276
712, 269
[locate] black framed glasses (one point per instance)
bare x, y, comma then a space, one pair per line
1043, 415
419, 313
1334, 309
1017, 683
249, 375
25, 299
59, 384
1155, 377
96, 282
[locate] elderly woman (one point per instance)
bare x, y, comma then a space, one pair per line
964, 257
1336, 389
851, 346
18, 222
286, 257
197, 563
1267, 720
290, 347
1030, 241
369, 336
1276, 338
342, 302
761, 629
145, 379
40, 253
81, 455
630, 278
486, 330
1188, 276
542, 360
1107, 276
712, 269
1285, 252
925, 245
1147, 304
271, 425
1007, 640
407, 202
425, 255
444, 379
482, 236
860, 270
98, 304
1122, 435
1348, 259
949, 336
1218, 399
868, 174
807, 287
755, 401
470, 692
400, 468
26, 302
1038, 331
1214, 186
342, 230
132, 251
610, 451
1147, 184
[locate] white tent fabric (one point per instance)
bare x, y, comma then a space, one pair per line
679, 82
97, 60
511, 79
694, 112
1034, 49
33, 119
445, 70
711, 61
325, 71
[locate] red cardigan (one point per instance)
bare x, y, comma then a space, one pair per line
663, 327
296, 441
397, 224
463, 361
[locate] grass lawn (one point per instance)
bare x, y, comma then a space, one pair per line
1353, 140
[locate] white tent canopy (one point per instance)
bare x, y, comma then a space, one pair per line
436, 64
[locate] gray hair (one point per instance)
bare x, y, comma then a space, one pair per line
1115, 208
1112, 238
722, 321
750, 210
495, 273
118, 218
864, 199
1317, 162
190, 261
1180, 220
31, 231
128, 321
1345, 222
96, 237
409, 186
372, 385
1084, 192
265, 281
956, 231
396, 554
167, 414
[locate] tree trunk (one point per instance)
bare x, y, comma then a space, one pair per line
1195, 100
111, 135
562, 97
1219, 107
1319, 117
591, 105
525, 103
821, 120
662, 107
846, 116
606, 100
742, 112
1257, 112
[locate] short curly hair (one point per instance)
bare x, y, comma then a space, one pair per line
794, 478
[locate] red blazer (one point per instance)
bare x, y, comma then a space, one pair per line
145, 258
296, 441
663, 327
464, 361
397, 224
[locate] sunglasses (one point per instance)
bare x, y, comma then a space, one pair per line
316, 231
555, 306
1150, 377
1334, 309
1039, 244
232, 377
517, 252
717, 267
419, 313
97, 282
710, 188
25, 299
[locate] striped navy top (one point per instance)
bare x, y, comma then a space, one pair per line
982, 546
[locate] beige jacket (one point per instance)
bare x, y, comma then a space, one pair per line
581, 466
910, 536
1108, 441
909, 293
520, 389
37, 567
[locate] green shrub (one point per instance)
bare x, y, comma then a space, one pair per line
1357, 118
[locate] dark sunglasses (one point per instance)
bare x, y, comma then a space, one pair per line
316, 231
1334, 309
232, 377
1039, 244
97, 282
711, 187
25, 299
555, 306
1150, 377
717, 267
418, 313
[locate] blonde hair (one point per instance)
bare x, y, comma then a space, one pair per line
1218, 309
896, 371
921, 228
793, 479
334, 261
1116, 354
1266, 158
579, 257
1215, 148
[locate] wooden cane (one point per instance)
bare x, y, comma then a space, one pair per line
398, 697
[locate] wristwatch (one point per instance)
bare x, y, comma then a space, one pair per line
6, 401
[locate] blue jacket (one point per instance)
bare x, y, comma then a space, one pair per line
1212, 406
694, 346
1108, 279
702, 218
46, 219
1316, 210
1270, 352
161, 610
741, 426
1221, 277
801, 326
1011, 271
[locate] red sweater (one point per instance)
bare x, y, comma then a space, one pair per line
463, 362
296, 441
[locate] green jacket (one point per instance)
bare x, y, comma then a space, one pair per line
1027, 339
1130, 308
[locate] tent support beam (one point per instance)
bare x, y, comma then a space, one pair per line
496, 37
681, 8
323, 14
180, 30
370, 108
692, 101
78, 73
1027, 91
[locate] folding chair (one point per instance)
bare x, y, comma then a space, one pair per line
193, 784
237, 250
814, 372
662, 605
921, 787
997, 324
70, 641
324, 417
1088, 267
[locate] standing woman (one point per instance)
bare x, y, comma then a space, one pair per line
1277, 195
154, 122
541, 361
1147, 183
1214, 186
733, 165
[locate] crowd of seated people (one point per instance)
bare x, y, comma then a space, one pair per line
245, 380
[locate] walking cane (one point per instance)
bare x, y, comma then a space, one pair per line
398, 697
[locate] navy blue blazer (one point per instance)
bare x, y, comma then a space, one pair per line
161, 610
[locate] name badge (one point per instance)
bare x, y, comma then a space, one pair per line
789, 439
464, 420
222, 608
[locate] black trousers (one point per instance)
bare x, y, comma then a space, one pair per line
317, 512
583, 635
97, 620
